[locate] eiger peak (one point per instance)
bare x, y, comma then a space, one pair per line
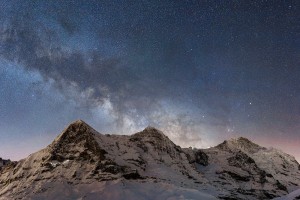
75, 129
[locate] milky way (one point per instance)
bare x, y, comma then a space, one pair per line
201, 71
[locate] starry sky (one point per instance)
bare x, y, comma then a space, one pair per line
201, 71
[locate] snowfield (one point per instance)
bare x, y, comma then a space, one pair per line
125, 190
292, 196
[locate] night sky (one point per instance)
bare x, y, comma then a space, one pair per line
201, 71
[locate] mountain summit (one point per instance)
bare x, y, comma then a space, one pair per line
82, 163
76, 129
240, 144
76, 141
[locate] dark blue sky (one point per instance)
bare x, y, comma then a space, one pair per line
202, 71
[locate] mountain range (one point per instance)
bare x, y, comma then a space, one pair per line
84, 164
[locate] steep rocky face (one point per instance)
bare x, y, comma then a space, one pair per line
196, 156
154, 140
4, 162
249, 171
77, 141
282, 166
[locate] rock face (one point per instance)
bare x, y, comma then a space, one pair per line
249, 171
82, 163
4, 162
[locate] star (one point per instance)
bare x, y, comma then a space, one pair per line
193, 66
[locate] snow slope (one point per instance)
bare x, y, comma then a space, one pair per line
125, 190
292, 196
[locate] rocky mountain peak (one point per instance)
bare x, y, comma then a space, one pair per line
74, 141
79, 122
74, 130
151, 133
153, 130
243, 139
77, 125
239, 144
156, 139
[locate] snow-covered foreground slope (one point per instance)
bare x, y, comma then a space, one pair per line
292, 196
125, 190
84, 164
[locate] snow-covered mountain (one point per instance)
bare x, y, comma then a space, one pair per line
249, 171
84, 164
